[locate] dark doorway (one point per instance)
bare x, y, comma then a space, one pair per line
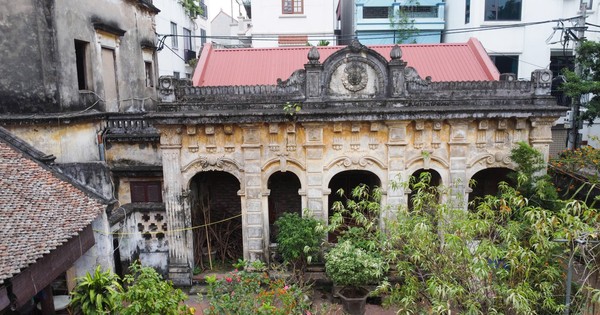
486, 181
435, 180
347, 181
283, 198
216, 211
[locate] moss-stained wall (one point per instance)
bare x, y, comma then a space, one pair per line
39, 72
69, 142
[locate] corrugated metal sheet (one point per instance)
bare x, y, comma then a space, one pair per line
263, 66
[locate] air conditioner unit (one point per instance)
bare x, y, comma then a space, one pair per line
189, 55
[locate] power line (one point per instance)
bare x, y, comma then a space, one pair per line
418, 33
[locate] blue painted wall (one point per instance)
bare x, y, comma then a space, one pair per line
380, 30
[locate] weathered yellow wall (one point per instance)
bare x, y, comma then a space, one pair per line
74, 142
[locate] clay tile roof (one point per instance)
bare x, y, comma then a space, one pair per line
263, 66
39, 210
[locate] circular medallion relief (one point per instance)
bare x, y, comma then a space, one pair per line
355, 78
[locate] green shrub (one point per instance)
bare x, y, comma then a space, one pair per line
147, 293
96, 294
298, 238
349, 265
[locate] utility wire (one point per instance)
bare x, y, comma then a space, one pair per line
417, 32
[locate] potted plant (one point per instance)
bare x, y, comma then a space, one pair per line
352, 267
357, 259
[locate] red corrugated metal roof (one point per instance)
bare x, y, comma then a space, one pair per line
263, 66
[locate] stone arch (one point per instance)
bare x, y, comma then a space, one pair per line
355, 163
216, 216
487, 181
425, 162
487, 160
204, 164
284, 197
347, 180
436, 181
357, 56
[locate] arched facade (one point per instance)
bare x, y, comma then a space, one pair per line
361, 112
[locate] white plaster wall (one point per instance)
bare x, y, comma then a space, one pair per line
317, 22
224, 26
172, 11
529, 42
100, 254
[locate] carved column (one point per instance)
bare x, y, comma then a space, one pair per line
177, 220
540, 136
459, 147
314, 149
397, 142
252, 221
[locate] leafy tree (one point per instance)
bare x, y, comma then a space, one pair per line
588, 58
531, 178
403, 23
502, 258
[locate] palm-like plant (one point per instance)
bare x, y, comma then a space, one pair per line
96, 294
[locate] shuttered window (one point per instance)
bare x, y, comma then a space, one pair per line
146, 191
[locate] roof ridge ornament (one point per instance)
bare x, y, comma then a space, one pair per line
396, 53
313, 55
355, 46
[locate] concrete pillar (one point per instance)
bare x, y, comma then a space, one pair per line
459, 146
540, 136
179, 241
314, 149
397, 142
255, 244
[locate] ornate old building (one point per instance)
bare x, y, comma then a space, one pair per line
235, 157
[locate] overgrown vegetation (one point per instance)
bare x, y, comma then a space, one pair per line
254, 292
192, 8
508, 256
145, 293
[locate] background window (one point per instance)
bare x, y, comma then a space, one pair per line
506, 63
502, 10
202, 36
149, 74
147, 191
376, 12
293, 6
176, 75
187, 39
81, 59
174, 43
467, 11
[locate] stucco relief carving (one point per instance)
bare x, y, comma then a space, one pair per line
355, 162
500, 158
356, 77
297, 79
211, 163
356, 74
171, 137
